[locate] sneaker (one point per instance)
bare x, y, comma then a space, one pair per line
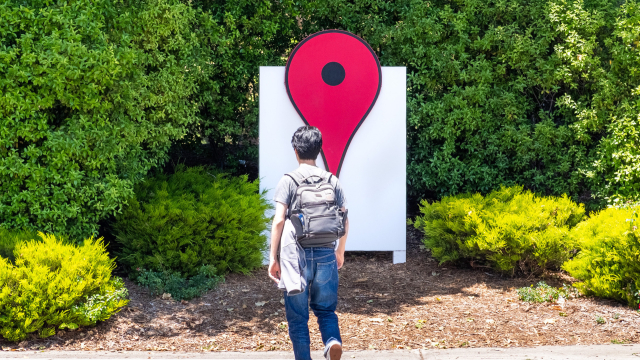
333, 350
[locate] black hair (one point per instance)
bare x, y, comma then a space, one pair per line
307, 141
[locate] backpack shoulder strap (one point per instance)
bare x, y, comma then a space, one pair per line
327, 177
296, 177
299, 178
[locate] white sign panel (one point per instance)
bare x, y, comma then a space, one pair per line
373, 173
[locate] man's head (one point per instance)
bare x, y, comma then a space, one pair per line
307, 141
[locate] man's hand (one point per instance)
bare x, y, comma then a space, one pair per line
340, 258
342, 244
274, 270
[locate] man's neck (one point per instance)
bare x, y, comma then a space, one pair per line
307, 162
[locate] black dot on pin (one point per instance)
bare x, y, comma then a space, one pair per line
333, 73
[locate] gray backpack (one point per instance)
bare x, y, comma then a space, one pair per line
313, 210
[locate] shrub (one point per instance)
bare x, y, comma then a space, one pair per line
541, 93
93, 93
609, 263
239, 36
545, 293
527, 96
533, 92
510, 229
607, 110
175, 284
56, 285
195, 217
9, 239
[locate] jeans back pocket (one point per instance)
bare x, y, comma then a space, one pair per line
324, 272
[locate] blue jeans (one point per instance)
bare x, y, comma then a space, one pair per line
321, 272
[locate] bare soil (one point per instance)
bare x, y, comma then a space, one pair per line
381, 306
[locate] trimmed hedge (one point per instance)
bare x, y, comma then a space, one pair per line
508, 229
609, 263
195, 217
57, 285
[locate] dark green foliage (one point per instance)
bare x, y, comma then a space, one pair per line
509, 92
545, 293
612, 110
239, 37
608, 264
161, 282
195, 217
57, 285
539, 93
509, 229
91, 95
483, 98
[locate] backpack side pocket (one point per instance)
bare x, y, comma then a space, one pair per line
298, 225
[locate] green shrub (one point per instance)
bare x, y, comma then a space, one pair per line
175, 284
195, 217
540, 93
483, 81
603, 40
545, 293
509, 229
609, 263
93, 93
56, 285
9, 239
240, 36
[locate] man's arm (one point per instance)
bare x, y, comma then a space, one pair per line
276, 234
342, 242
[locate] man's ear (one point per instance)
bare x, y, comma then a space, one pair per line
297, 156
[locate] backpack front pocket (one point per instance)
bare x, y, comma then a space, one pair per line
324, 225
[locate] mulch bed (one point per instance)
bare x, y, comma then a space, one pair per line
382, 306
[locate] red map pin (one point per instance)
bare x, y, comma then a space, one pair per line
333, 79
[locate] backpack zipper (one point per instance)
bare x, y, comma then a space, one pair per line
321, 216
319, 204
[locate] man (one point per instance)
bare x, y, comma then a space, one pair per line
322, 259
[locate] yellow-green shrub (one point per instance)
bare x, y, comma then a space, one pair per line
506, 229
9, 239
609, 263
57, 285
